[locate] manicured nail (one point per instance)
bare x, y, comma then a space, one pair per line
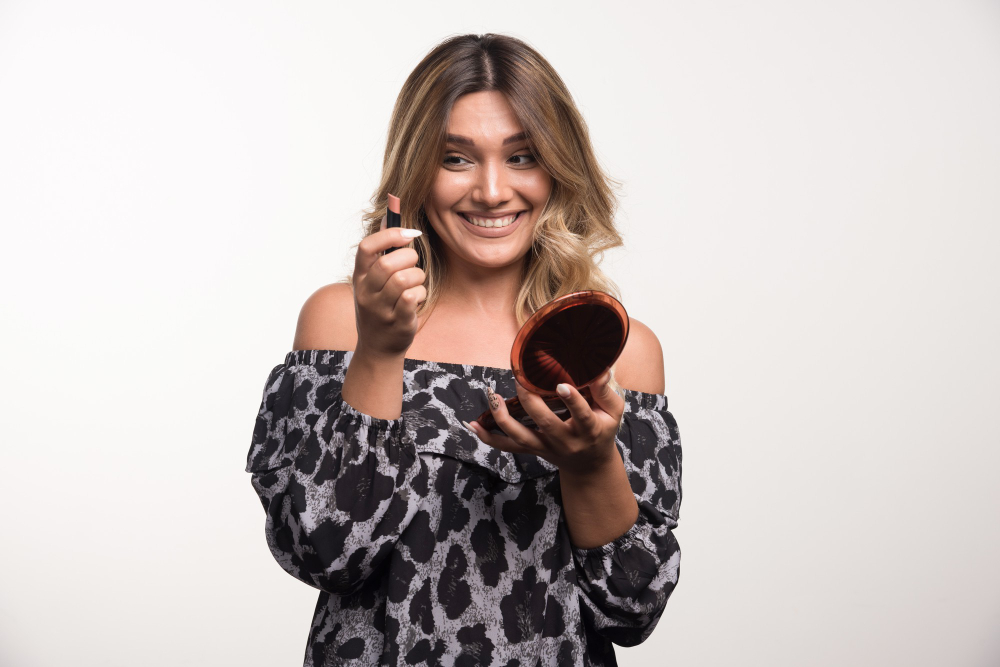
493, 398
410, 233
469, 426
563, 390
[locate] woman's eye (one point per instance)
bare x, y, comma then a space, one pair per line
454, 160
522, 159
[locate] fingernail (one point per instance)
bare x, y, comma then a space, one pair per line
410, 233
469, 426
382, 224
493, 398
563, 390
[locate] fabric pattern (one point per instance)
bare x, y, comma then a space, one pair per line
429, 547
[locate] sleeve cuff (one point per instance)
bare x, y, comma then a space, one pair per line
619, 542
381, 425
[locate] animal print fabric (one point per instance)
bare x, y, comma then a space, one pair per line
430, 547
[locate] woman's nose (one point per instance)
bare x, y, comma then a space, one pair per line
492, 187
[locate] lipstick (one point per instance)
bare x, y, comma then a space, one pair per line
392, 217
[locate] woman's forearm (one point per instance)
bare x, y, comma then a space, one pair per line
598, 505
373, 384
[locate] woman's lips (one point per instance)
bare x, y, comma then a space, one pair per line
509, 224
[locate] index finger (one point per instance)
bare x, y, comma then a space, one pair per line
373, 245
546, 419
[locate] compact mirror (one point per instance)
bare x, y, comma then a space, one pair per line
573, 339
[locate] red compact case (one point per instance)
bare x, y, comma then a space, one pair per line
573, 339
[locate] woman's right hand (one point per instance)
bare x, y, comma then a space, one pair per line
387, 290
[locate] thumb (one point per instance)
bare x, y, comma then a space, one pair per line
382, 226
605, 397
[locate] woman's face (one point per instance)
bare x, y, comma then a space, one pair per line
489, 188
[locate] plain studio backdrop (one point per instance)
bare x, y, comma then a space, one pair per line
811, 206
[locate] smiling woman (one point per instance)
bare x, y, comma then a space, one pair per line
490, 185
431, 540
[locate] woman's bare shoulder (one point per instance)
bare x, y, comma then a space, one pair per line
326, 321
640, 367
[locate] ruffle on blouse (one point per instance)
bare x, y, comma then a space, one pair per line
436, 400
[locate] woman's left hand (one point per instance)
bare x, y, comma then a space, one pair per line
583, 443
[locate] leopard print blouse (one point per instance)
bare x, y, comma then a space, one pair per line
430, 547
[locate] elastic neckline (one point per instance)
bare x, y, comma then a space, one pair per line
454, 365
642, 398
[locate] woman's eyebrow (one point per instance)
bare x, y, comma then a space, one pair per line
466, 141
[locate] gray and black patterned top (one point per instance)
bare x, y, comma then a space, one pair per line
431, 548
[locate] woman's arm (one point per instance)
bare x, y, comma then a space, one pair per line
625, 585
374, 384
331, 462
597, 498
387, 290
336, 485
598, 502
620, 507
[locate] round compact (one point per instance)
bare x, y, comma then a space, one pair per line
573, 339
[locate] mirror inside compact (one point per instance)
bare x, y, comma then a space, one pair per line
573, 339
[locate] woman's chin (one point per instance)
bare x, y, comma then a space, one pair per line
494, 257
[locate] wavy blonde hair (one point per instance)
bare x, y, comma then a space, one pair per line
575, 226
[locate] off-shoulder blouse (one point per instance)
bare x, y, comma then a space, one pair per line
430, 547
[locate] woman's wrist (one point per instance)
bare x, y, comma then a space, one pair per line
377, 359
596, 469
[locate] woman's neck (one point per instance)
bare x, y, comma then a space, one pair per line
472, 320
479, 290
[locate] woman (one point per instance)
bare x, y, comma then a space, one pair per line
431, 540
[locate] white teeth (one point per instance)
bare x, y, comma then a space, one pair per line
490, 222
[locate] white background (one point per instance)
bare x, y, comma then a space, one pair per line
810, 201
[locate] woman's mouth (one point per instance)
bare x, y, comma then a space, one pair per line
491, 222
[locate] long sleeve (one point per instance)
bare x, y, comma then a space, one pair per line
337, 485
625, 584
